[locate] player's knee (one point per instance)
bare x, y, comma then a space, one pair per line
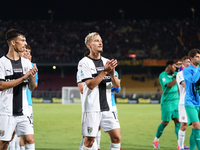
4, 145
116, 139
165, 123
29, 139
183, 127
89, 141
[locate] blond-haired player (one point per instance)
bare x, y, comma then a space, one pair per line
98, 75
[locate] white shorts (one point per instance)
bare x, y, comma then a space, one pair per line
21, 124
182, 113
114, 108
92, 120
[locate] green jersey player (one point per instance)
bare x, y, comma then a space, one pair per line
169, 100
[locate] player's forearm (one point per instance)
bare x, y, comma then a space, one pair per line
118, 90
92, 83
170, 84
115, 82
183, 83
10, 84
31, 84
80, 87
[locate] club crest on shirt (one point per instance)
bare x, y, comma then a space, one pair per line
183, 117
170, 76
89, 129
25, 69
163, 79
2, 133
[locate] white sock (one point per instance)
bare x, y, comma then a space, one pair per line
17, 147
12, 143
98, 138
86, 148
156, 139
81, 145
94, 146
114, 146
29, 146
181, 138
22, 147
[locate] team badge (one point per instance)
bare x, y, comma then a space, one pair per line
89, 129
25, 69
1, 133
183, 117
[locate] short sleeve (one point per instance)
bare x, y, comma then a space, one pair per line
84, 71
2, 72
179, 77
78, 77
30, 65
163, 79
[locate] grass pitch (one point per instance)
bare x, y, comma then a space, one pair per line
58, 127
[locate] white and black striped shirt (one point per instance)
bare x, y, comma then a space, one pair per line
98, 99
13, 101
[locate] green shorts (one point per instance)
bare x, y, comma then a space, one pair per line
169, 113
193, 114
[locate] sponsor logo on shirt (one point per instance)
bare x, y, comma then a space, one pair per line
106, 77
17, 70
9, 79
169, 76
100, 68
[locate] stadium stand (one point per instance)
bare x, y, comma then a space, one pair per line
63, 41
139, 82
54, 82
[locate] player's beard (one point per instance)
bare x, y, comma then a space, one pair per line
18, 50
196, 63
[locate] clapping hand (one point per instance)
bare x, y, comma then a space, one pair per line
110, 66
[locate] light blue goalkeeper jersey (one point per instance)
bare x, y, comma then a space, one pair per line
191, 76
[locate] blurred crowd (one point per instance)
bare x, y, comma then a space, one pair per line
63, 41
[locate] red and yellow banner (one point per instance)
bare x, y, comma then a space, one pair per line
145, 62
